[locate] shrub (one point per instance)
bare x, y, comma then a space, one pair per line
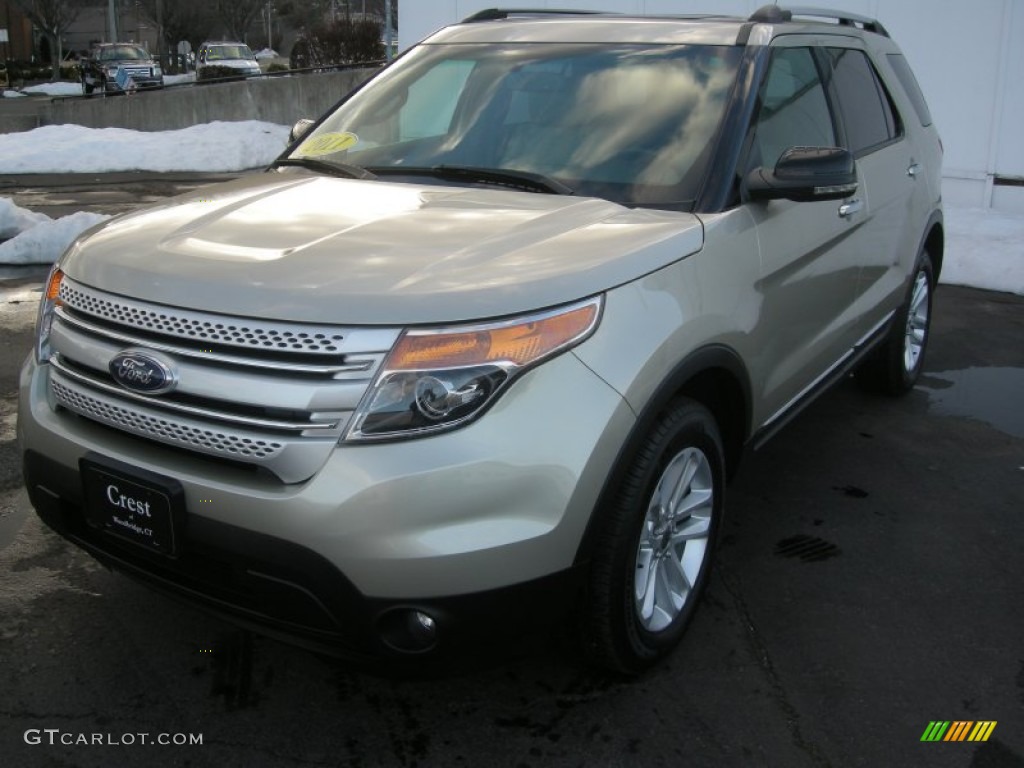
217, 72
340, 42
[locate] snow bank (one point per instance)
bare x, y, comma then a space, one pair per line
55, 89
217, 147
36, 238
14, 220
984, 249
44, 243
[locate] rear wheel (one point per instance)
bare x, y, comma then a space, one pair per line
655, 546
896, 365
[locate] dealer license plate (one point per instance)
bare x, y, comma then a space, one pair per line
133, 505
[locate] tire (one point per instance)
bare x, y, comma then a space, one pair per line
895, 366
645, 580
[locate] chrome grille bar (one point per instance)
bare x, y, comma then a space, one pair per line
357, 366
191, 327
188, 410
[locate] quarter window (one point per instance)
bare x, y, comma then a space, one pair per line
909, 82
868, 113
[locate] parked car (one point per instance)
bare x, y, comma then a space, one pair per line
112, 67
217, 60
485, 343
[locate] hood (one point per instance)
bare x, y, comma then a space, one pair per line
126, 63
294, 246
234, 63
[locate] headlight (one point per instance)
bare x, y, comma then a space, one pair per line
157, 72
112, 71
439, 379
49, 303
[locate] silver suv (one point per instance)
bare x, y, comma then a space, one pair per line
490, 336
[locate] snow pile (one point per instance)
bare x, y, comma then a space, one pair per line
36, 238
55, 89
267, 53
14, 220
13, 95
188, 77
984, 249
216, 147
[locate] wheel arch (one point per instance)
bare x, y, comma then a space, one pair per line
713, 376
934, 241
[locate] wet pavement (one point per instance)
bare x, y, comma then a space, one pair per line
869, 582
980, 393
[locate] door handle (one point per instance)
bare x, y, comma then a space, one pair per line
913, 170
846, 210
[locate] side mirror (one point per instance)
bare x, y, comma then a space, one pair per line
300, 129
806, 174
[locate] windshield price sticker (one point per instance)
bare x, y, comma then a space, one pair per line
327, 144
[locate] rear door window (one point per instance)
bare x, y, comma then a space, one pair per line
868, 113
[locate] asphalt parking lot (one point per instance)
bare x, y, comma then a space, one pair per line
870, 581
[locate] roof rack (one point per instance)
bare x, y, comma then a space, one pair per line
773, 14
493, 14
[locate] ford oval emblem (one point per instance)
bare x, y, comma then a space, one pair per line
142, 371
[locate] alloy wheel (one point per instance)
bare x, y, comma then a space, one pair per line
674, 539
917, 323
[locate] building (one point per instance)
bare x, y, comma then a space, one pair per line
15, 33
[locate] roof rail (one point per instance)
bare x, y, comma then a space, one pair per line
843, 18
493, 14
773, 14
770, 14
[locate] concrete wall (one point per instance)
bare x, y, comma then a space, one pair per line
280, 100
967, 57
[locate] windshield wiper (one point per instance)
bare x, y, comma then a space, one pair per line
532, 182
334, 169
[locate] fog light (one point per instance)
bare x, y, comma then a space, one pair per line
408, 630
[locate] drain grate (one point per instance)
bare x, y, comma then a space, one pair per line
807, 548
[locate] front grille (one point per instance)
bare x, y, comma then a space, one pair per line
273, 394
184, 324
159, 428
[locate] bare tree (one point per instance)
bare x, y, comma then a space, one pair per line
238, 15
178, 20
53, 17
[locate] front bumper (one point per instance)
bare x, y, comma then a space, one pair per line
473, 527
141, 83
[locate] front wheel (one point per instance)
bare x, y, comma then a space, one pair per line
896, 365
655, 546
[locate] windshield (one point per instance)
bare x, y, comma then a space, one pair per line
123, 53
631, 123
224, 52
